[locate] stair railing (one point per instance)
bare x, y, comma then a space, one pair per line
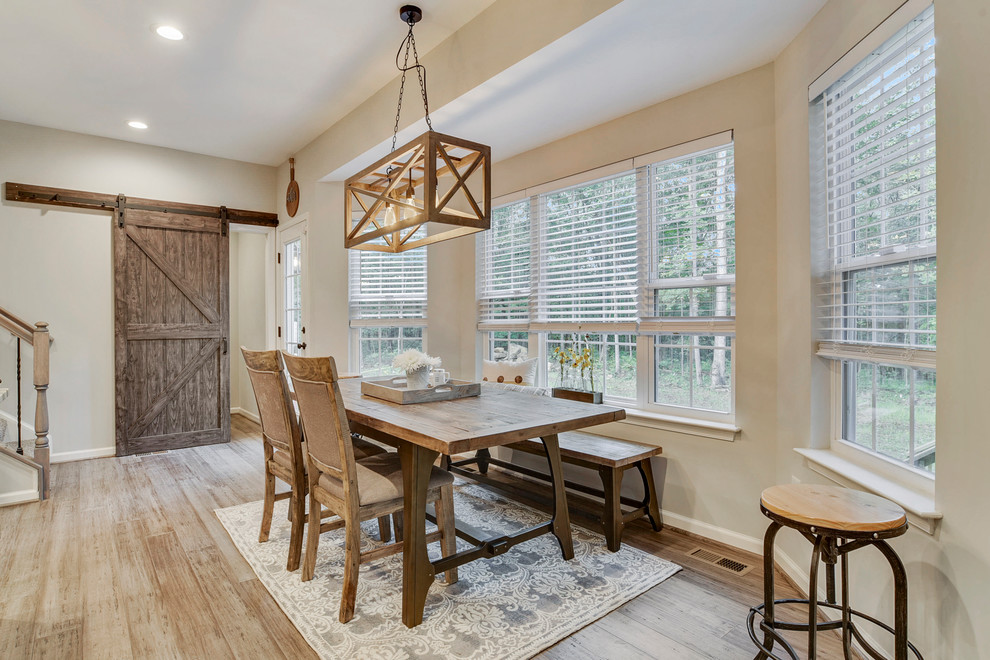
40, 340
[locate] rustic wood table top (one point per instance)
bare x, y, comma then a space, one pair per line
496, 417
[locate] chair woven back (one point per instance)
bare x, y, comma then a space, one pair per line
271, 391
328, 436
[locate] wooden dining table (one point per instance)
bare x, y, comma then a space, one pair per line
424, 431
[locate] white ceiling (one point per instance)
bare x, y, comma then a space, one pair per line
630, 57
256, 80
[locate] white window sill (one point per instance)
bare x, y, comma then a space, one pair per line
920, 506
688, 425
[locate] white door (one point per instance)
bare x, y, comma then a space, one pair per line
293, 288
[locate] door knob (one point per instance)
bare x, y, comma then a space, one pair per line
301, 346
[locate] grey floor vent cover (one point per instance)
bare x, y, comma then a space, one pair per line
715, 559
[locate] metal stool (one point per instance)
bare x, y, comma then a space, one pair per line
836, 521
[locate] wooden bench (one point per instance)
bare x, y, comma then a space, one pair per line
609, 456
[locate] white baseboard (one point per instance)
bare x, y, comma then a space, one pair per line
18, 497
246, 413
28, 435
83, 454
27, 431
713, 532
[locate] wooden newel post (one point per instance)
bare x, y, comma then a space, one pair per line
41, 375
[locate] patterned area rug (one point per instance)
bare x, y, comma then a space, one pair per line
511, 606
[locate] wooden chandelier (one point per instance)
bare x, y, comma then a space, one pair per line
432, 189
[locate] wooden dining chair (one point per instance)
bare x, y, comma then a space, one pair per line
355, 490
283, 445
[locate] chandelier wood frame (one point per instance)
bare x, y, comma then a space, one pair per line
432, 162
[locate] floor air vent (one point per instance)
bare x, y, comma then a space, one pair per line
715, 559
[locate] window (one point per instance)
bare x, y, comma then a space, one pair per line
691, 287
387, 307
378, 346
508, 345
292, 287
637, 263
876, 126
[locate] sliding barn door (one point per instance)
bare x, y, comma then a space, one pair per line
171, 328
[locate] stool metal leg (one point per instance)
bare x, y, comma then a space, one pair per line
846, 617
831, 554
768, 590
900, 600
816, 555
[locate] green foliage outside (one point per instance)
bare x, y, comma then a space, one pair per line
379, 346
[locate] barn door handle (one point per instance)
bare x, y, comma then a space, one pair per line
301, 346
224, 345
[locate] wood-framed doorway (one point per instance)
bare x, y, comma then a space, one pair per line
171, 314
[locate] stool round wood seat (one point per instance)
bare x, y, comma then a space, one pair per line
836, 521
833, 508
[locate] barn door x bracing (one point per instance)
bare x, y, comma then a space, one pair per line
171, 328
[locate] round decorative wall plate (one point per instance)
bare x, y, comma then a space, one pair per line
292, 193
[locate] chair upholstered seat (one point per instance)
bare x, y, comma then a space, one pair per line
379, 479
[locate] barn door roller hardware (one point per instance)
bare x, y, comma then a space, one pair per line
20, 192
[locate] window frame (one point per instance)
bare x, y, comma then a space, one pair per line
647, 283
832, 350
359, 319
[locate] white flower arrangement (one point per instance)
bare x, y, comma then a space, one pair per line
412, 360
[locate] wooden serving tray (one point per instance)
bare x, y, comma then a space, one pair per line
395, 390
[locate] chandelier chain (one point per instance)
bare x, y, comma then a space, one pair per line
409, 43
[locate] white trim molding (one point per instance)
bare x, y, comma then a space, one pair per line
19, 497
83, 454
27, 431
246, 414
724, 431
713, 532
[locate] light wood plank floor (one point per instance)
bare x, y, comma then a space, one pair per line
127, 559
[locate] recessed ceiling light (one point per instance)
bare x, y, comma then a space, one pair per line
169, 32
137, 124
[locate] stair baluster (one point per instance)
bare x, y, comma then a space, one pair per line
41, 451
20, 449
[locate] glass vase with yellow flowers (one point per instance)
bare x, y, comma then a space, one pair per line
576, 365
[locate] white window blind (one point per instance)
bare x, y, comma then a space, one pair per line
503, 262
692, 257
587, 271
386, 286
879, 162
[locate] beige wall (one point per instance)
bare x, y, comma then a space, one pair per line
709, 481
55, 263
948, 572
247, 312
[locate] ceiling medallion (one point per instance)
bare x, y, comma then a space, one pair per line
433, 188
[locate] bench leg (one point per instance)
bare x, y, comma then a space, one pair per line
482, 456
650, 494
612, 516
